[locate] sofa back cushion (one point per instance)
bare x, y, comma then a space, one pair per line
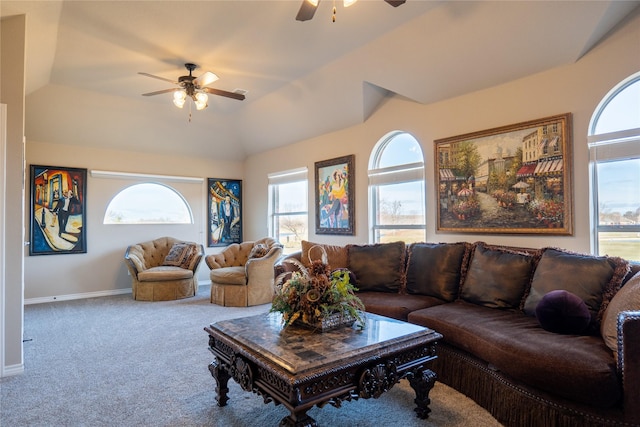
497, 277
435, 269
337, 256
594, 279
627, 299
378, 267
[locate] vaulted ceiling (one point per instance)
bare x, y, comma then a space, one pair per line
302, 78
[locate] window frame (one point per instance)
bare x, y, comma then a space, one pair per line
149, 222
615, 146
393, 175
277, 179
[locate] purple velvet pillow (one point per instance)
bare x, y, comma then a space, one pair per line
562, 312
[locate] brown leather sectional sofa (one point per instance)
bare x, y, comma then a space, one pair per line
484, 299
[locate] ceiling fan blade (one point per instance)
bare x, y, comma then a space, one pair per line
159, 78
205, 79
395, 3
307, 10
158, 92
238, 96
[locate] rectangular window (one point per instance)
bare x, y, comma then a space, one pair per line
288, 208
616, 199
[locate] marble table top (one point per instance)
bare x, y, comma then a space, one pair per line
299, 349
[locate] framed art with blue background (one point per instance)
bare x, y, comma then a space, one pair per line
57, 210
224, 197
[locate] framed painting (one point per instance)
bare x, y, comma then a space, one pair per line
335, 193
57, 210
513, 179
224, 197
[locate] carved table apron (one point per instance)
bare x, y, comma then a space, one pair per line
299, 368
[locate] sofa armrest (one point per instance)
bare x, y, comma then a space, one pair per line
629, 362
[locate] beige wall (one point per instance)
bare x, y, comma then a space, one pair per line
575, 88
101, 269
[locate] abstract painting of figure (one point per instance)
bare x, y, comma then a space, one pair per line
225, 211
58, 200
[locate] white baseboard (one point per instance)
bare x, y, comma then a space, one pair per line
12, 370
83, 295
77, 296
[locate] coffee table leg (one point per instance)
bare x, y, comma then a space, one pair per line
222, 380
298, 419
422, 382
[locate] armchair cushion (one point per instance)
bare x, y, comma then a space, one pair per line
229, 276
258, 251
181, 255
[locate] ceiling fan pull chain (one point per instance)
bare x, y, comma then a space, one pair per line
333, 18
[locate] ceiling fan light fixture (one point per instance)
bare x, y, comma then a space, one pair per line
348, 3
201, 100
179, 98
313, 3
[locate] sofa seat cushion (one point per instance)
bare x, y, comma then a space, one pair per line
157, 274
397, 306
579, 368
229, 276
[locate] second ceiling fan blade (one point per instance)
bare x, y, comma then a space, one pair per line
159, 78
238, 96
158, 92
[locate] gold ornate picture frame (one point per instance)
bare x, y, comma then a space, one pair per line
514, 179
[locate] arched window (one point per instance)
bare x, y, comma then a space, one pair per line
614, 151
148, 203
396, 190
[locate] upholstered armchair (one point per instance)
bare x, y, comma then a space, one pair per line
163, 269
242, 274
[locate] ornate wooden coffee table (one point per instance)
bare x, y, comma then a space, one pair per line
300, 368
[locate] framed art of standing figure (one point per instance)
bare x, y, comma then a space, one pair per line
513, 179
335, 193
224, 197
58, 210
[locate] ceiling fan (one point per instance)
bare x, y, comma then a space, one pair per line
193, 87
308, 8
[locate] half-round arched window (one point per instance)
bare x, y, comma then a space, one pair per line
396, 189
614, 151
148, 203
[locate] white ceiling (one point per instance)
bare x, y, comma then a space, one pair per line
303, 78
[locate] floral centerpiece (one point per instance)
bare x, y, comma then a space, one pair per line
317, 297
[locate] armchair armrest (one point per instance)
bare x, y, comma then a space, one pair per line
198, 258
629, 362
254, 265
133, 261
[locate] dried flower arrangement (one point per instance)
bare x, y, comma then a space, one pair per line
318, 297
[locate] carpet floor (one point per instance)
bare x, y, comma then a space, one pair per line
113, 361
